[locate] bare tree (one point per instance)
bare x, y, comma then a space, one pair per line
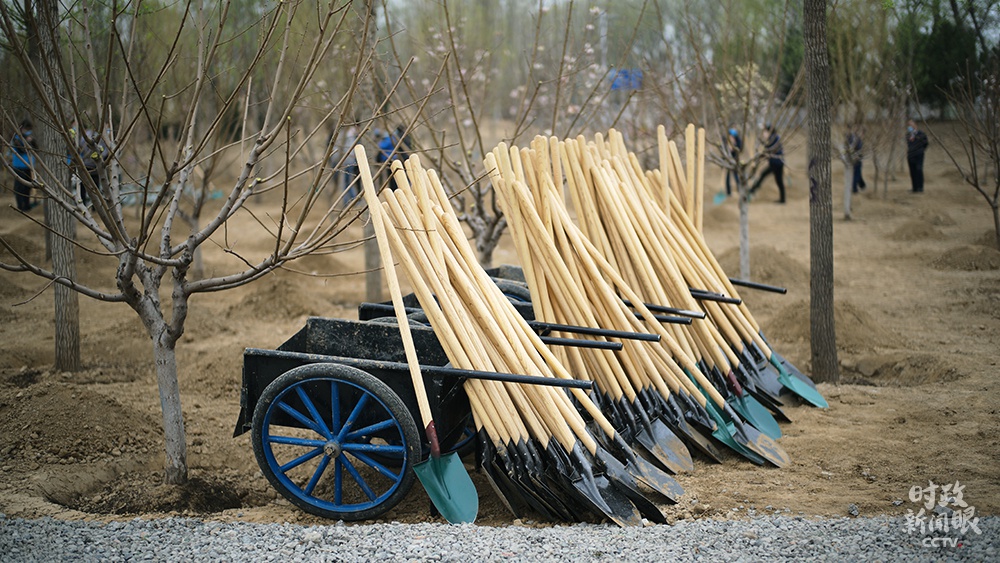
820, 104
974, 148
732, 84
564, 90
860, 46
153, 251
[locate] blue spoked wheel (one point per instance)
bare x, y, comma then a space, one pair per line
319, 432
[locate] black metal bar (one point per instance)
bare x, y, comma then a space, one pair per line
667, 319
582, 343
403, 368
758, 285
704, 295
664, 309
541, 325
508, 377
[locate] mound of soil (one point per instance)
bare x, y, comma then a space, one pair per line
916, 229
767, 265
900, 368
35, 427
988, 238
969, 259
277, 296
857, 330
937, 218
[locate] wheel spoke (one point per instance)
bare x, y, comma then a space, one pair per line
358, 409
317, 474
306, 421
320, 425
300, 460
357, 477
293, 441
382, 449
371, 429
377, 466
334, 407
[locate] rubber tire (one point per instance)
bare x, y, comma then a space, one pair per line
378, 391
517, 291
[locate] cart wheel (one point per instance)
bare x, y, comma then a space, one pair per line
317, 430
513, 290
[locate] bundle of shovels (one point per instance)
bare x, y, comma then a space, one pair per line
672, 356
545, 450
634, 244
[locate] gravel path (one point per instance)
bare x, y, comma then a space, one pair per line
771, 538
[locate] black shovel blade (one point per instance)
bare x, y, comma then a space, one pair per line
674, 418
612, 504
771, 405
644, 471
622, 480
662, 444
562, 475
756, 441
531, 477
764, 377
504, 489
696, 414
507, 463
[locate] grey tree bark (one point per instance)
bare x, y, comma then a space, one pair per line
822, 331
55, 173
848, 184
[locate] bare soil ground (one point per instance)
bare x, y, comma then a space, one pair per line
918, 323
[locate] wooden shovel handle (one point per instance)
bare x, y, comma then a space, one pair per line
378, 220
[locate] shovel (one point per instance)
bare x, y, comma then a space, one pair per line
445, 479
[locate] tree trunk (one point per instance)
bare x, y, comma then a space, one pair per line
996, 221
176, 470
63, 225
741, 189
824, 343
848, 184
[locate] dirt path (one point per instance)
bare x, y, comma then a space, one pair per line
918, 319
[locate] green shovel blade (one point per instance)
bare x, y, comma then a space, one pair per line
797, 386
450, 488
757, 414
725, 432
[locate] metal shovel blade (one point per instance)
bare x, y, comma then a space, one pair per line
756, 414
612, 503
753, 439
764, 446
530, 475
622, 480
663, 445
791, 369
726, 433
450, 487
764, 377
644, 471
497, 478
676, 417
595, 489
771, 405
798, 386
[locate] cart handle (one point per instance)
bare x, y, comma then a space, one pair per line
507, 377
